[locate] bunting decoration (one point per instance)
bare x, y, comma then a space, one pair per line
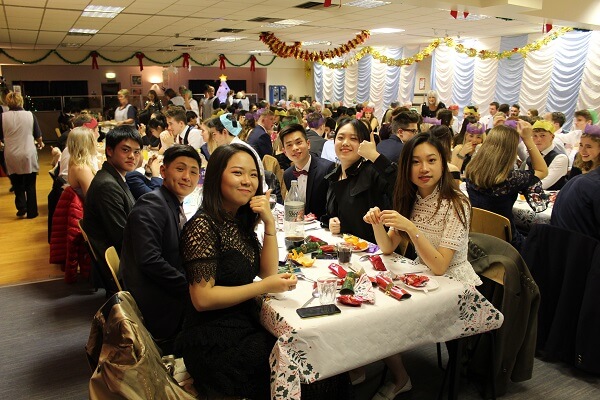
186, 60
140, 57
94, 55
252, 63
221, 61
448, 41
281, 49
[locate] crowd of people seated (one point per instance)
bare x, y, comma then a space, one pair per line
386, 182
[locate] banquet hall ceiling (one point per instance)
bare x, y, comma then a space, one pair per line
192, 25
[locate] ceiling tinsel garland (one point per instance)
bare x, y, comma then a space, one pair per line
281, 49
458, 47
95, 54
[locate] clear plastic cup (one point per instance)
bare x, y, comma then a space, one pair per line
327, 289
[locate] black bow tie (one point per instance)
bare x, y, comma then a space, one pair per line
298, 172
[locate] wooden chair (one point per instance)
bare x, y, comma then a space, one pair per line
270, 163
490, 223
103, 275
112, 259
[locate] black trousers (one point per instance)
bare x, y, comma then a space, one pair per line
25, 195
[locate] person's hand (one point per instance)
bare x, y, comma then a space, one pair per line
154, 165
335, 225
372, 217
39, 143
187, 95
167, 138
467, 148
368, 149
142, 129
260, 205
393, 219
524, 129
279, 283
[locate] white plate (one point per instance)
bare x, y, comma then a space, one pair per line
432, 284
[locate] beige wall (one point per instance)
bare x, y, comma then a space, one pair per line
292, 73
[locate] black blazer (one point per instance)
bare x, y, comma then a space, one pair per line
316, 186
151, 263
261, 141
107, 205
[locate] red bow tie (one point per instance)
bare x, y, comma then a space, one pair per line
298, 172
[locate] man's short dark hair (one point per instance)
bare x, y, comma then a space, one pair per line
403, 119
585, 114
177, 113
181, 150
120, 133
81, 119
558, 118
189, 115
170, 93
518, 107
291, 129
505, 108
495, 104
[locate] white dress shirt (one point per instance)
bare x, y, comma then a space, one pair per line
557, 168
303, 180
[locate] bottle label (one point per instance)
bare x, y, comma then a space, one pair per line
294, 211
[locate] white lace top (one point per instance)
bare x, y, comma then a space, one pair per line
444, 229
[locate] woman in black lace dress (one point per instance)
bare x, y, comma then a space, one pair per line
223, 344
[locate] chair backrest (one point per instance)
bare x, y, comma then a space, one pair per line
490, 223
85, 237
270, 163
112, 259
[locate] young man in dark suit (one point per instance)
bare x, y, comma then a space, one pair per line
150, 259
259, 138
108, 200
309, 170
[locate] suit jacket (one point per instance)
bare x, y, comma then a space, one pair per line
151, 264
316, 142
139, 184
107, 205
316, 185
261, 141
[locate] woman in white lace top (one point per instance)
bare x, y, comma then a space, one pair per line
430, 211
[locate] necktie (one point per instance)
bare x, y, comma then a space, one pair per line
298, 172
182, 217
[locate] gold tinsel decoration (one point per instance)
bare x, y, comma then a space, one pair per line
458, 47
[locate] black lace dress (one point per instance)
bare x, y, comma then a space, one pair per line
226, 350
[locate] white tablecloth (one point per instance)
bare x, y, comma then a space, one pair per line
524, 216
308, 350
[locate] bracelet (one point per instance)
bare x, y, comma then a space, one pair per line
460, 156
270, 234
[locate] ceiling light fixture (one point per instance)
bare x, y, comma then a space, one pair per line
285, 23
367, 3
228, 39
81, 31
95, 11
385, 30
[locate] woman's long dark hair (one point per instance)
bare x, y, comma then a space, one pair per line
212, 200
405, 192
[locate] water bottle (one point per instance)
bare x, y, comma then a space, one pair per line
293, 223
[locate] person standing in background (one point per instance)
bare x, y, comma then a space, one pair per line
18, 130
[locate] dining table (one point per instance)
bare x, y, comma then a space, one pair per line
312, 349
525, 216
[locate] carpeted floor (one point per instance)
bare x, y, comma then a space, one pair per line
45, 327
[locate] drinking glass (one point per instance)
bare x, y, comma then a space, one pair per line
326, 287
344, 253
272, 201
